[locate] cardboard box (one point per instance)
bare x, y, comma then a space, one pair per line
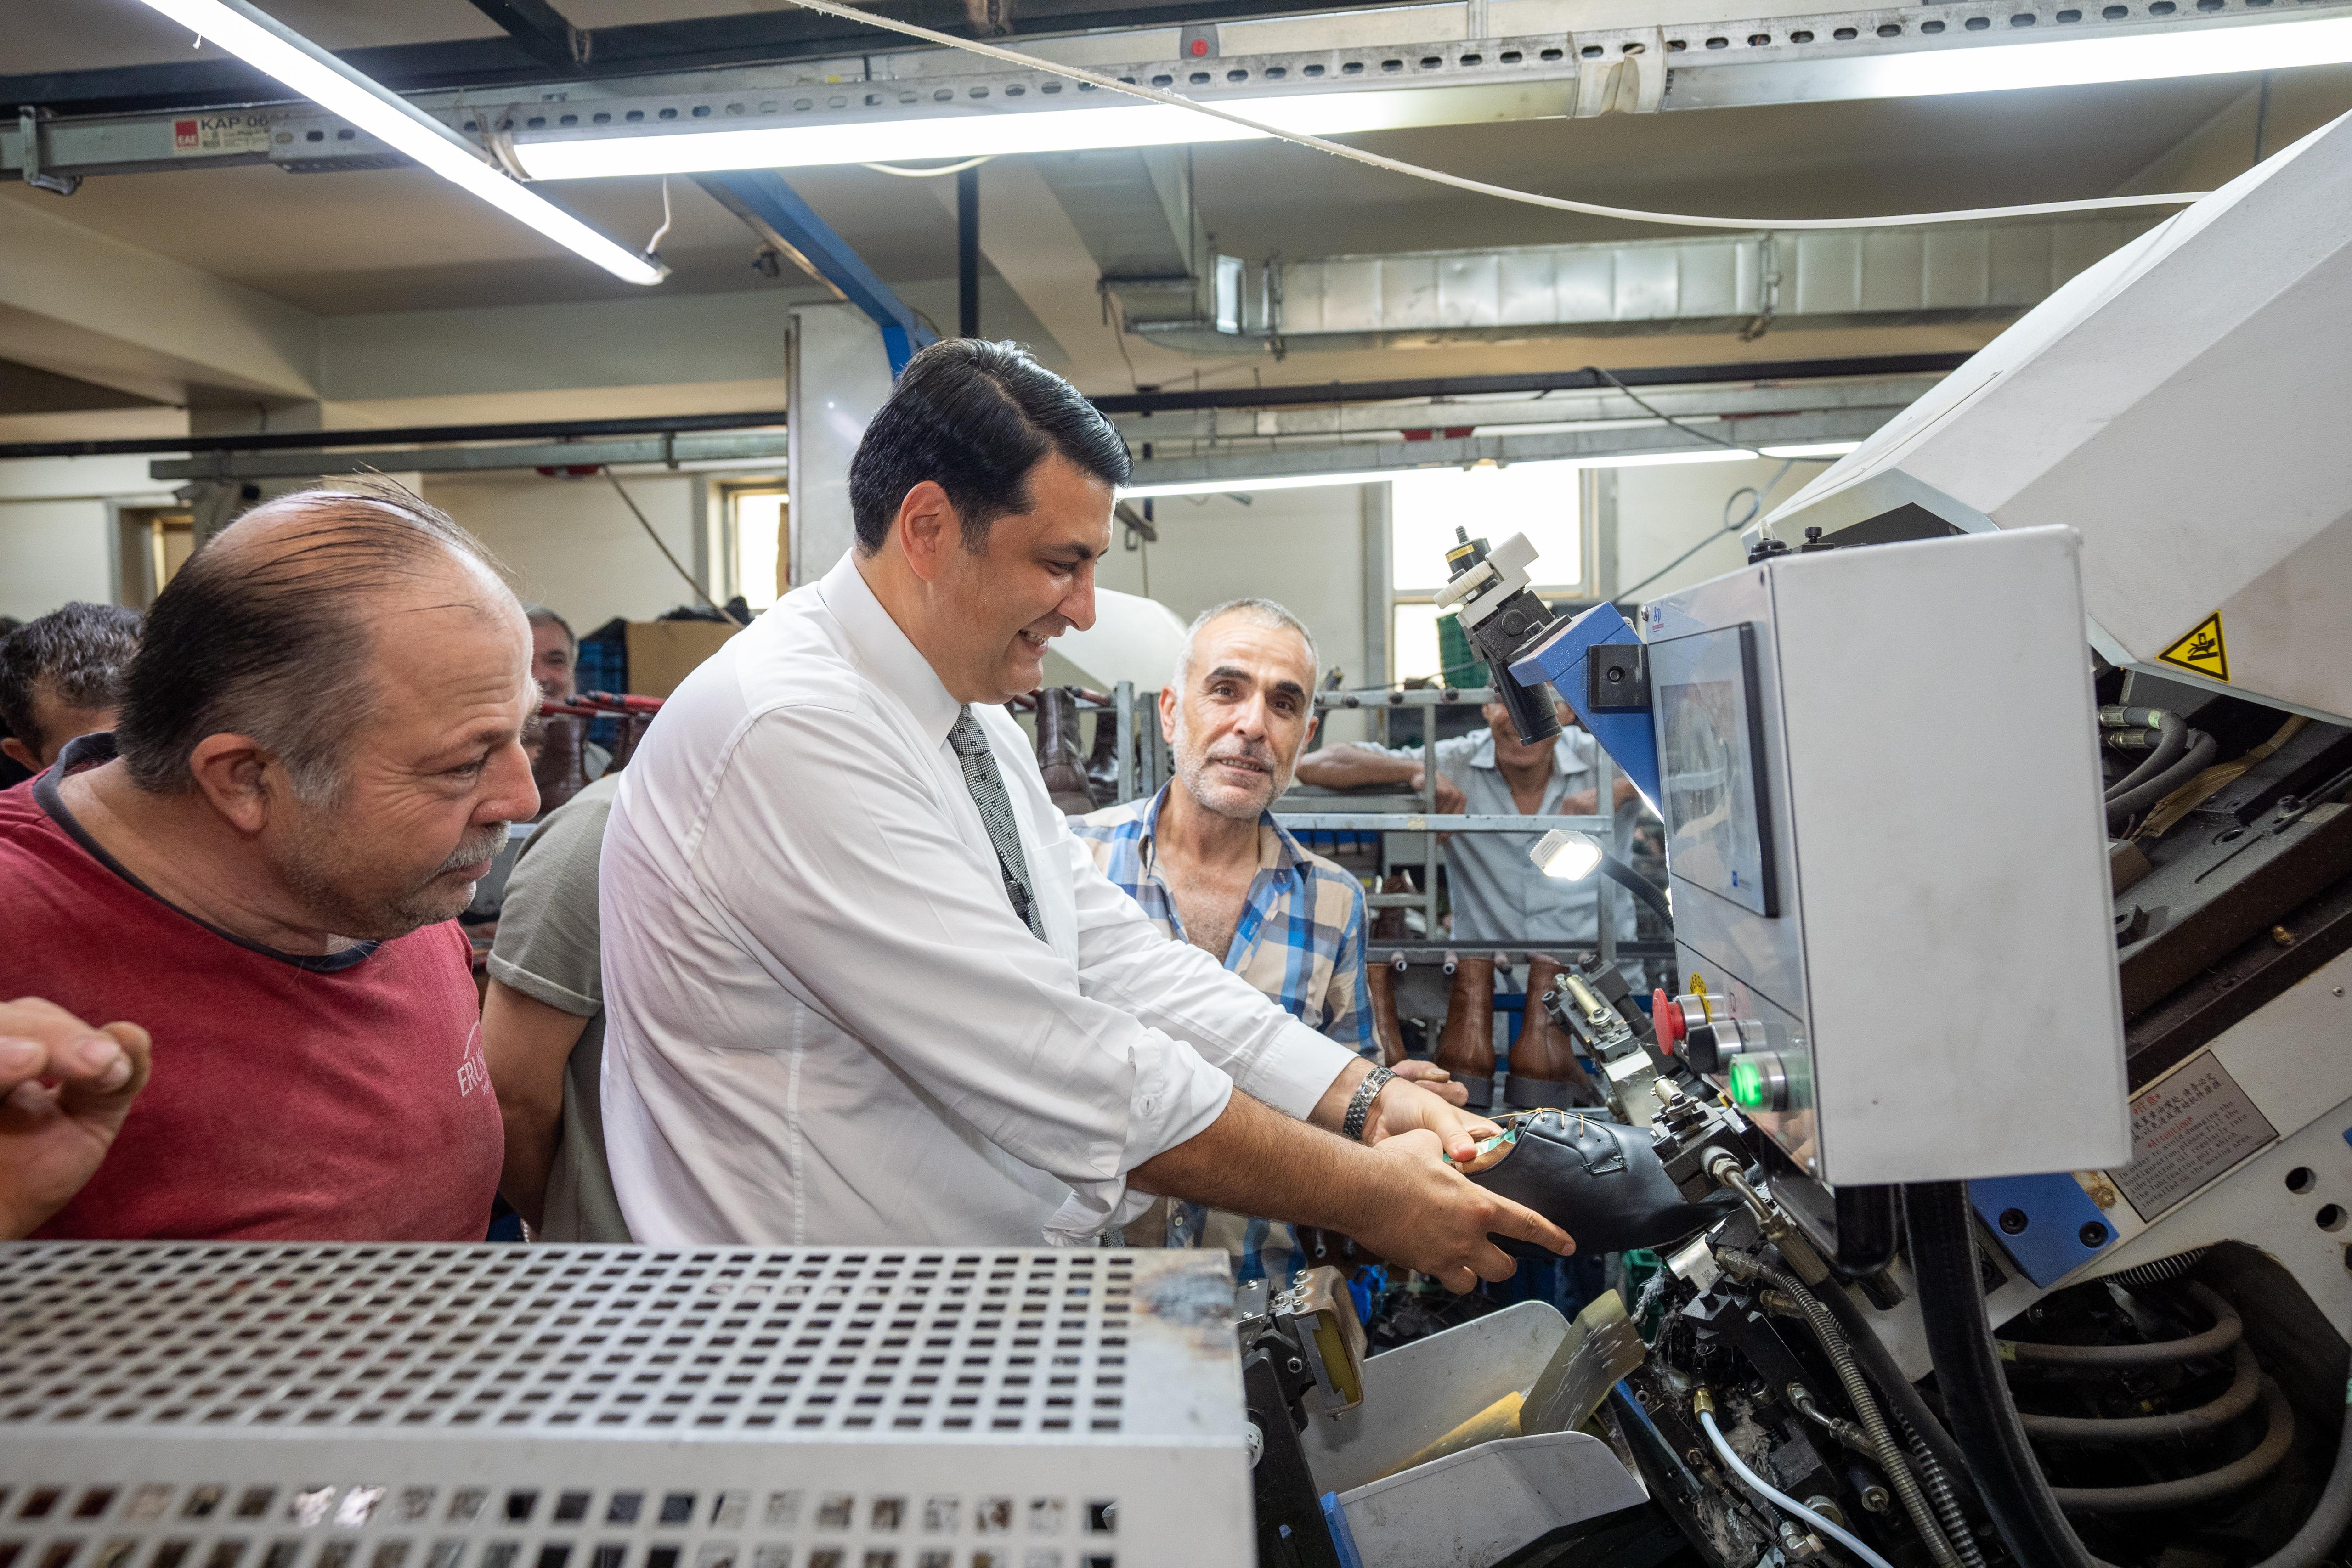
664, 653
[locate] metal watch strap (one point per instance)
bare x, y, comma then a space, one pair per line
1360, 1107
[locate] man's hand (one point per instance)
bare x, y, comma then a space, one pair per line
1404, 1107
65, 1088
1428, 1216
1434, 1079
1450, 799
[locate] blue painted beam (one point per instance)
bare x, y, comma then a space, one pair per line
763, 199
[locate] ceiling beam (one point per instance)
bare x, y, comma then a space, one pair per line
83, 304
540, 28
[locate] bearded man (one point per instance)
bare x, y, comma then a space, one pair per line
1212, 867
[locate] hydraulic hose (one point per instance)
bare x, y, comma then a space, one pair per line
1909, 1409
1984, 1420
2235, 1475
1779, 1498
2227, 1330
2172, 739
2244, 1389
1947, 1501
2122, 807
1891, 1455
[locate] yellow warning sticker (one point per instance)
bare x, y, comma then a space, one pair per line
2202, 652
1697, 984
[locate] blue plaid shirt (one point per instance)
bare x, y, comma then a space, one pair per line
1300, 940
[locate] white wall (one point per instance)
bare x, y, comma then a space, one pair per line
1663, 512
57, 540
571, 544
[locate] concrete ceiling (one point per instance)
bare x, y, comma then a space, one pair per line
354, 243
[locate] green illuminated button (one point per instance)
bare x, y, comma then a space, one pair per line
1758, 1082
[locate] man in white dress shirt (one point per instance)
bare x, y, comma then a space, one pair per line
864, 987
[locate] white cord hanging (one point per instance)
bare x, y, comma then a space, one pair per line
1461, 183
905, 174
653, 245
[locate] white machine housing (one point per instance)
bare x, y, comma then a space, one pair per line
2181, 404
1925, 937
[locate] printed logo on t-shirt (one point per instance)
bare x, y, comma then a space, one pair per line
473, 1068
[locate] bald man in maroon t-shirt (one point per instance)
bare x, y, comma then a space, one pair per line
318, 754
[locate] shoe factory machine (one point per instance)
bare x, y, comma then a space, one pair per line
1994, 1144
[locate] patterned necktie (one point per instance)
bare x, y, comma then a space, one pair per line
987, 786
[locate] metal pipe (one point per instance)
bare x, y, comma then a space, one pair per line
2234, 1476
409, 435
2227, 1330
2205, 1418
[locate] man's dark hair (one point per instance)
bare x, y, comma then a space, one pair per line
269, 639
974, 417
80, 651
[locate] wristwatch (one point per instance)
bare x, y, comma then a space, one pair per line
1360, 1107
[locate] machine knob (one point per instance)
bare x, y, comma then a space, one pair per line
1678, 1019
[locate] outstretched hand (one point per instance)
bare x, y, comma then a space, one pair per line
1405, 1106
65, 1088
1428, 1216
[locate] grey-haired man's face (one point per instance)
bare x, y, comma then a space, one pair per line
1245, 711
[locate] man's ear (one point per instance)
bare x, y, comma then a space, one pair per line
17, 752
1314, 723
232, 771
927, 526
1168, 698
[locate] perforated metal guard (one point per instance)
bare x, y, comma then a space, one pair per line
356, 1407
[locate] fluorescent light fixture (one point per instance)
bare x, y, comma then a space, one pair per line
967, 134
264, 44
1566, 854
1814, 449
2076, 62
1244, 485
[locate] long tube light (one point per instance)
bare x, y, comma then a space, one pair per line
261, 42
2082, 62
965, 134
973, 133
1246, 485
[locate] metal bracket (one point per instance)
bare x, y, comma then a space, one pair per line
1617, 678
29, 127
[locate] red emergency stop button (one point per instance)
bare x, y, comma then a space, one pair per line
1668, 1017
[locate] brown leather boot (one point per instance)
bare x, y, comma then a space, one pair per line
1544, 1069
560, 771
1467, 1048
1388, 1032
1057, 751
1388, 925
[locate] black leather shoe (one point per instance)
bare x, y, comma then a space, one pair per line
1599, 1180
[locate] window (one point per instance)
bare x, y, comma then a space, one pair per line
759, 553
154, 543
1537, 499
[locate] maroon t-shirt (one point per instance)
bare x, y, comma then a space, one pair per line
342, 1097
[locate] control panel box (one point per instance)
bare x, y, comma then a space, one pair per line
1880, 781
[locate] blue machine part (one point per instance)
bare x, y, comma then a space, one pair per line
1343, 1539
775, 208
2047, 1224
1626, 734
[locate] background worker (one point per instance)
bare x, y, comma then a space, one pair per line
543, 1028
1209, 865
864, 986
60, 676
1499, 898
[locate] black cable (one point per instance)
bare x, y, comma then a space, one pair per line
2172, 741
2129, 804
700, 591
1968, 1371
1656, 413
1625, 595
1618, 871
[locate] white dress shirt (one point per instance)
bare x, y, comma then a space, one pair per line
825, 1021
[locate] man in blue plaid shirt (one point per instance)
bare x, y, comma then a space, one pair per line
1208, 862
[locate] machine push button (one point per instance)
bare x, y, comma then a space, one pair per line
1759, 1080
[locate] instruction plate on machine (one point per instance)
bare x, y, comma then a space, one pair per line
2188, 1127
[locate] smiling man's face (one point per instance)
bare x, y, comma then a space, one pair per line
1245, 710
